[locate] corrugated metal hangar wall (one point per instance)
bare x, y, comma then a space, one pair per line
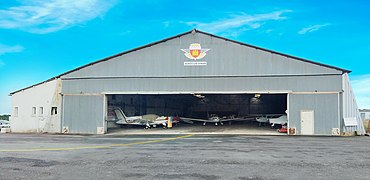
232, 67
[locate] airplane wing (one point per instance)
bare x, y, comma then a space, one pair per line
194, 119
191, 120
213, 120
132, 122
237, 119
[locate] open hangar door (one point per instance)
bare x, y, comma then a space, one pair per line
188, 110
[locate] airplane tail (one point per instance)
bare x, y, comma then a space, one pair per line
120, 114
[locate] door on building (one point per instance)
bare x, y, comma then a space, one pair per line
307, 122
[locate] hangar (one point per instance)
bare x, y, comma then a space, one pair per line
170, 77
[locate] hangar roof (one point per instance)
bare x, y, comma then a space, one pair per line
180, 35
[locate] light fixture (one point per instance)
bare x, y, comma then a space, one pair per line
257, 95
255, 100
199, 96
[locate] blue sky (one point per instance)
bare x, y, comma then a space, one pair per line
41, 40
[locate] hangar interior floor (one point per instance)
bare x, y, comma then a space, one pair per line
248, 128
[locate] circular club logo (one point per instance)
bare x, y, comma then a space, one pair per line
195, 51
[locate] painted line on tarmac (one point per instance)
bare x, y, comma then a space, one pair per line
95, 147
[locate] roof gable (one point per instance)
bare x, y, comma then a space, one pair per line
224, 57
176, 43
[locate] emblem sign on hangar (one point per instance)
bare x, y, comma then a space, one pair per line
195, 52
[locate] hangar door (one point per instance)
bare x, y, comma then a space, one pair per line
201, 105
314, 113
83, 114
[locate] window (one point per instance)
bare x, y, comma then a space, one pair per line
33, 111
15, 111
363, 115
41, 111
54, 110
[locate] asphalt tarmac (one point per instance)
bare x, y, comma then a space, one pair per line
43, 156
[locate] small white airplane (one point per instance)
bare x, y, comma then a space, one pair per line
214, 118
279, 120
272, 119
148, 120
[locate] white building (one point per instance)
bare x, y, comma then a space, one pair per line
365, 114
37, 108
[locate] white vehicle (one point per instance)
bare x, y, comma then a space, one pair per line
214, 118
4, 124
148, 120
279, 120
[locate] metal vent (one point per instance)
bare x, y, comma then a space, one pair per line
292, 131
100, 130
335, 131
65, 129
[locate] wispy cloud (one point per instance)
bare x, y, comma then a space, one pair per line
4, 49
125, 32
166, 24
48, 16
361, 88
312, 28
240, 21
